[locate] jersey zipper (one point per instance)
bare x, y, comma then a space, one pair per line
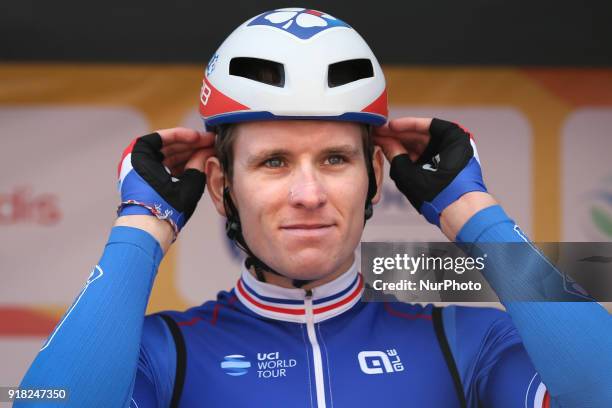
316, 350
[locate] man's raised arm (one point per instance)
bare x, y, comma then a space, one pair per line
435, 164
93, 351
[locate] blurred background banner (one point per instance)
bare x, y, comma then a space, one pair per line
75, 91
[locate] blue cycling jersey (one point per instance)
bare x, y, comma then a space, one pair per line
266, 346
262, 345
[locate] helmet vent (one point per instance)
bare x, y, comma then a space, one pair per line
345, 72
260, 70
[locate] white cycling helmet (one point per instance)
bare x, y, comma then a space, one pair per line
293, 63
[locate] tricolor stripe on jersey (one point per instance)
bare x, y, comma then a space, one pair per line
278, 303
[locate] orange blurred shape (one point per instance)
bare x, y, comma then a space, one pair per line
577, 86
20, 321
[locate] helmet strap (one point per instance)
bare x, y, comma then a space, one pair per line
233, 229
372, 188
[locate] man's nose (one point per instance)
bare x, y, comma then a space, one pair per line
306, 191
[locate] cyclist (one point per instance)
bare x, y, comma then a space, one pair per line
295, 104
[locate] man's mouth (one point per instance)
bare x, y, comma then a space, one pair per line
309, 230
306, 226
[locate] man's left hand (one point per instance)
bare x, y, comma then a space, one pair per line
433, 163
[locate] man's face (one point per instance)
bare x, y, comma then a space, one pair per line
300, 189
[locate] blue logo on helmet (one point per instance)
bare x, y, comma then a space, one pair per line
211, 64
235, 365
303, 23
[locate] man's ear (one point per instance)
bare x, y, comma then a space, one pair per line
378, 163
215, 178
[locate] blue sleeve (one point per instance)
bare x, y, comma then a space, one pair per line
93, 351
559, 337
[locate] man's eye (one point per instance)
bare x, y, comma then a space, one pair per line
274, 162
335, 159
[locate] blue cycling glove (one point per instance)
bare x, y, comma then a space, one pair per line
448, 168
148, 188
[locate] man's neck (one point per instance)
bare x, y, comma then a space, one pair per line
286, 282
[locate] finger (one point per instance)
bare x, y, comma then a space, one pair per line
178, 135
391, 147
199, 158
413, 138
409, 138
183, 157
416, 152
383, 130
180, 147
411, 124
414, 148
184, 135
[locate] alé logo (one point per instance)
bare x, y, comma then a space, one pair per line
269, 365
434, 165
380, 362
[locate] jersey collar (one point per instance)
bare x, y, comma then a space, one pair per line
275, 302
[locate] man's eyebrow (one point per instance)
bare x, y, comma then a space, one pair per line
255, 159
346, 149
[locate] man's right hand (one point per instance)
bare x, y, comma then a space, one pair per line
161, 175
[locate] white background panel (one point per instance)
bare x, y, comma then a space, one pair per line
66, 158
586, 174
